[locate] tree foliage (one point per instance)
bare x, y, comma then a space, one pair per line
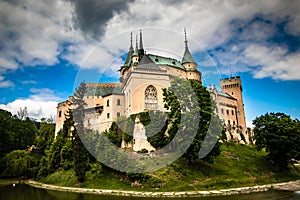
15, 133
20, 163
80, 152
45, 136
186, 105
280, 136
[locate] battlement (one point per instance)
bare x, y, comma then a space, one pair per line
232, 79
232, 82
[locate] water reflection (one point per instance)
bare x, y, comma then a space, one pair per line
25, 192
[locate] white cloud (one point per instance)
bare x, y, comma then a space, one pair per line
36, 32
27, 82
32, 32
5, 83
41, 104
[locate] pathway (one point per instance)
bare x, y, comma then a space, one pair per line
291, 186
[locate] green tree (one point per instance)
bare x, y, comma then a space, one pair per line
6, 135
80, 152
45, 136
280, 136
185, 106
23, 132
20, 163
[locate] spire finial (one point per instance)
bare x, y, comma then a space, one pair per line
185, 38
131, 48
136, 41
141, 39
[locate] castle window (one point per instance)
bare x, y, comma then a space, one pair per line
232, 93
228, 121
217, 110
108, 115
232, 112
107, 103
227, 112
118, 102
118, 114
222, 111
151, 97
233, 122
59, 114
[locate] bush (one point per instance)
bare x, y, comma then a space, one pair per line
20, 163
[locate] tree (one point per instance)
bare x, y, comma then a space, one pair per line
6, 136
80, 152
45, 136
280, 136
186, 107
22, 113
20, 163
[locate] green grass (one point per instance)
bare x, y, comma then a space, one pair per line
238, 165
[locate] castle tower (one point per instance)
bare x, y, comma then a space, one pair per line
233, 87
187, 60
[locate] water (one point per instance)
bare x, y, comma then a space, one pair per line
25, 192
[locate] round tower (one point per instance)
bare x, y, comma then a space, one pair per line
233, 87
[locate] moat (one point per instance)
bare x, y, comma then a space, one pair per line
24, 192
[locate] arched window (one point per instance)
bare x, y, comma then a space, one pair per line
151, 97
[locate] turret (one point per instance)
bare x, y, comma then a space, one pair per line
187, 60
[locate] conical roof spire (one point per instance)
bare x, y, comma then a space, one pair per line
141, 39
136, 53
129, 54
141, 49
187, 56
185, 40
131, 48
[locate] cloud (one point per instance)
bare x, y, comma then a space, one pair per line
27, 82
31, 33
44, 32
91, 16
275, 61
6, 83
42, 103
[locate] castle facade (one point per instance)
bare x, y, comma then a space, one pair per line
142, 78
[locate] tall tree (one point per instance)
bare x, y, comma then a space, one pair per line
280, 136
185, 106
80, 151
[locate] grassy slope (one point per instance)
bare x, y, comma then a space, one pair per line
237, 166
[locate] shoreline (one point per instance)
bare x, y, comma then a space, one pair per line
288, 186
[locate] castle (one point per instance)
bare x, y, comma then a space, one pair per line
142, 78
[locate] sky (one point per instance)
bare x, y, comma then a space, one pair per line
48, 47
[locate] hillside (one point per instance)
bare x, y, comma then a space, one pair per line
238, 165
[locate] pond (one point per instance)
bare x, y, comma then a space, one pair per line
26, 192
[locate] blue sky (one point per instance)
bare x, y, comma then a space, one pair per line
47, 47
